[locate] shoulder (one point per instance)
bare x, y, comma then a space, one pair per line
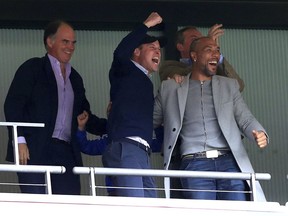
31, 67
226, 82
33, 61
224, 79
171, 67
169, 84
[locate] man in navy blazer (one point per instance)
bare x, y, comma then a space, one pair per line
130, 123
49, 90
209, 115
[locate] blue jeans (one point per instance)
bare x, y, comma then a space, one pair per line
224, 163
126, 155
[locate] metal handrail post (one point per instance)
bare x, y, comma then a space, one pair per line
253, 186
15, 145
92, 181
48, 182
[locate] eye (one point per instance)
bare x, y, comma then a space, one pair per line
155, 48
65, 42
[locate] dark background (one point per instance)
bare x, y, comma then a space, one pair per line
125, 14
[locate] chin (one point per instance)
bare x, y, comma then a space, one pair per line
155, 69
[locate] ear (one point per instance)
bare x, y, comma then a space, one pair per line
179, 47
193, 56
136, 52
50, 42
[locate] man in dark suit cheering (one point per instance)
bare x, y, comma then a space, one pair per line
130, 126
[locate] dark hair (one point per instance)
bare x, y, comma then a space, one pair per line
52, 28
179, 34
195, 43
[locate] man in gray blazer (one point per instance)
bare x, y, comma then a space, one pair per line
209, 115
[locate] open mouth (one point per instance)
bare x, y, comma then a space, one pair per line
155, 60
213, 63
68, 52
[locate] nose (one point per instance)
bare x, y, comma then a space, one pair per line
158, 51
71, 45
216, 53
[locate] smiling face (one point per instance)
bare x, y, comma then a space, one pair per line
205, 54
188, 37
148, 55
62, 44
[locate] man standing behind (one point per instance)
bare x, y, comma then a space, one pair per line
208, 115
130, 125
48, 90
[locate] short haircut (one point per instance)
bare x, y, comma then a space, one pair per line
179, 34
195, 43
52, 28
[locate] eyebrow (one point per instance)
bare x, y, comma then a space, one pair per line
66, 40
210, 46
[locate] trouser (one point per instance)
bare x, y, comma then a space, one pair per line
132, 155
213, 189
67, 183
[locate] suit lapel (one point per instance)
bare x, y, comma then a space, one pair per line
52, 85
182, 92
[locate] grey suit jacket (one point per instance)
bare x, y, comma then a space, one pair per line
234, 117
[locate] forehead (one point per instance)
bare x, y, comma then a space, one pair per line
206, 42
65, 31
192, 33
154, 44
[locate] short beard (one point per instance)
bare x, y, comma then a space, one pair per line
208, 73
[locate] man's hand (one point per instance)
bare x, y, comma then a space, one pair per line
153, 19
178, 78
215, 32
260, 138
24, 155
82, 120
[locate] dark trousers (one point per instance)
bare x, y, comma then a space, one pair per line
67, 183
122, 154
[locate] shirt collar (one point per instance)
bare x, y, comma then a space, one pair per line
54, 61
141, 68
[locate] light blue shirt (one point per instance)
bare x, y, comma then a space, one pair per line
142, 68
63, 123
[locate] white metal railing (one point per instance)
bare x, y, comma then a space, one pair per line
35, 169
16, 167
15, 135
92, 171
